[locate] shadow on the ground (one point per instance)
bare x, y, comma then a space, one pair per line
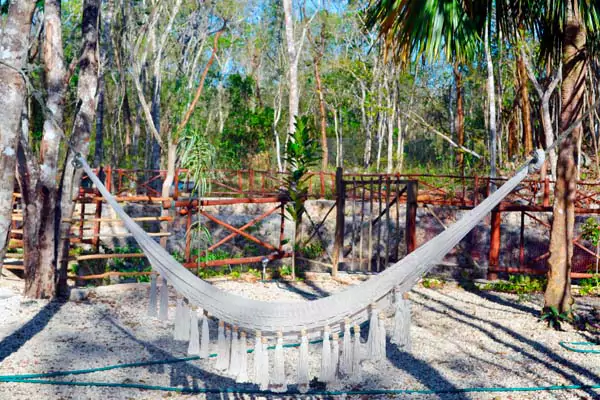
18, 338
318, 292
421, 371
494, 298
563, 367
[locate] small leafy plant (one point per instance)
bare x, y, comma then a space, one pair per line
555, 318
302, 153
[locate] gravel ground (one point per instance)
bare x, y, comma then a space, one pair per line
461, 339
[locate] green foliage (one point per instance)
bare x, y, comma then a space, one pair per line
196, 154
591, 230
302, 154
554, 318
589, 286
433, 283
312, 251
247, 129
518, 284
129, 264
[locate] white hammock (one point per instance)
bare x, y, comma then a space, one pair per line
291, 317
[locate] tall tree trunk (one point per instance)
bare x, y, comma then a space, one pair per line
460, 116
492, 103
38, 180
558, 290
14, 45
391, 119
82, 129
366, 123
525, 106
294, 100
99, 147
322, 115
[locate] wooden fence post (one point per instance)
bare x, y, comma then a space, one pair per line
411, 216
338, 245
494, 245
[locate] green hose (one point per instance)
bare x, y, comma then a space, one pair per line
35, 379
573, 346
311, 392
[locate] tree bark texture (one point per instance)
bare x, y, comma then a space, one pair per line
14, 45
294, 100
460, 116
38, 179
525, 106
558, 291
82, 129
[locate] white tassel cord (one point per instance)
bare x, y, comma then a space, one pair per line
222, 361
263, 375
153, 297
382, 337
234, 359
257, 353
242, 376
185, 321
194, 345
335, 356
373, 345
278, 379
177, 334
356, 354
325, 374
163, 312
205, 341
401, 332
346, 360
303, 377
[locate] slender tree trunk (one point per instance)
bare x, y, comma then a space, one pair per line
294, 100
492, 104
14, 45
460, 117
99, 140
525, 106
366, 123
558, 290
82, 129
322, 115
38, 179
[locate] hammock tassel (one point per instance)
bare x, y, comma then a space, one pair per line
278, 380
153, 294
326, 366
204, 351
263, 374
335, 356
234, 359
374, 348
257, 353
185, 321
356, 354
242, 376
222, 359
177, 331
194, 345
346, 361
401, 333
163, 312
303, 378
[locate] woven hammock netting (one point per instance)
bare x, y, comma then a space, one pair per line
323, 318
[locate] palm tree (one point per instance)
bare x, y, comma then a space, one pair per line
454, 28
